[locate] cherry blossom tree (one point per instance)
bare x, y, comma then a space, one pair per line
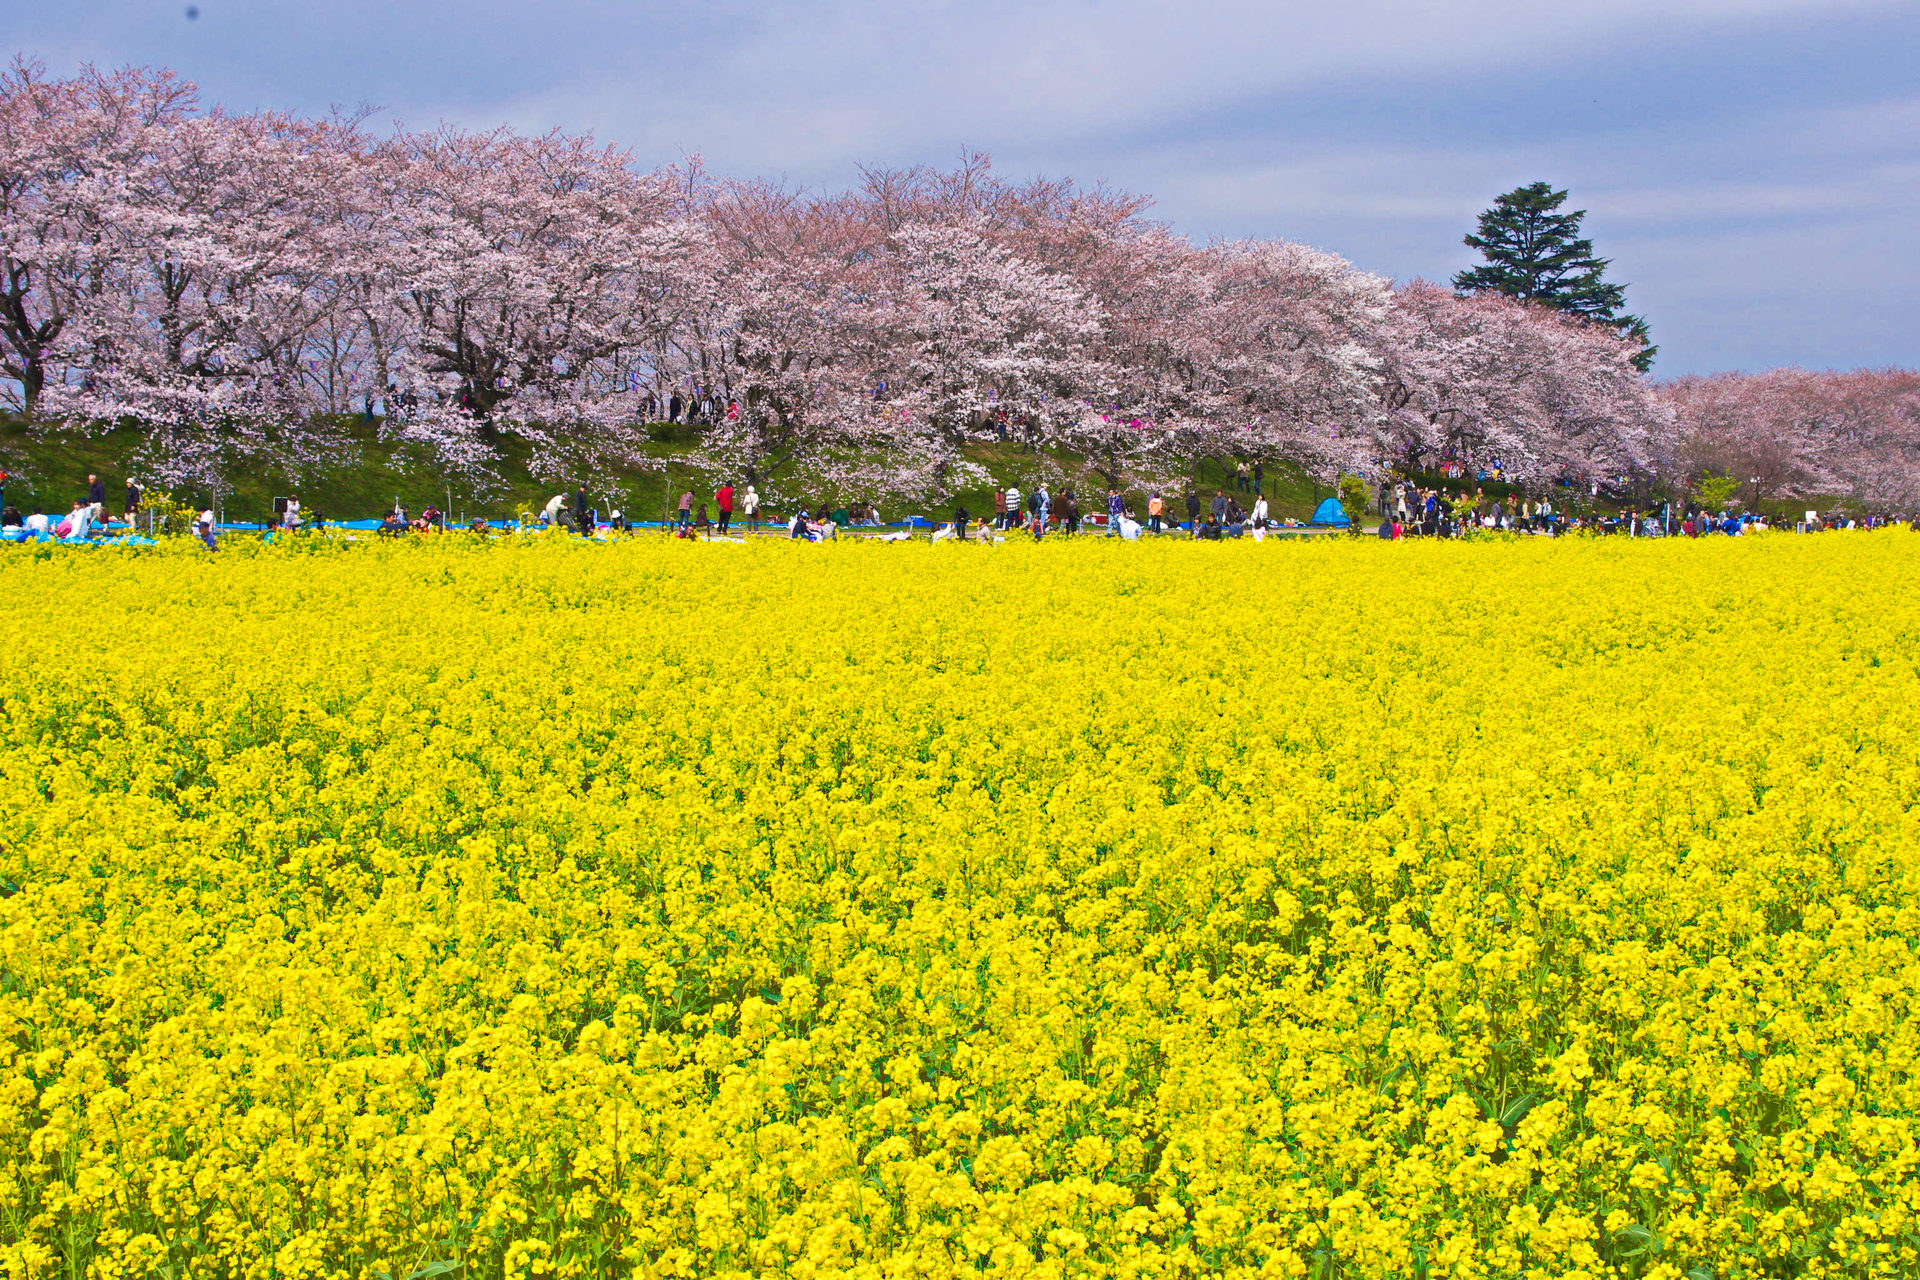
1289, 361
524, 285
783, 328
1487, 379
968, 330
211, 244
1794, 433
64, 147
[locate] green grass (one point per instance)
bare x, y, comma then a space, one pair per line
48, 471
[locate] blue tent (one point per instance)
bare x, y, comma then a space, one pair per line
1329, 513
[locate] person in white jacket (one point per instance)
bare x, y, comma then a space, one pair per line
1259, 518
750, 508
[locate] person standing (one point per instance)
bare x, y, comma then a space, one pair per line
1042, 502
960, 518
1014, 508
1155, 508
723, 502
686, 509
133, 499
97, 497
582, 512
1114, 508
1260, 512
1193, 512
750, 507
999, 506
1218, 511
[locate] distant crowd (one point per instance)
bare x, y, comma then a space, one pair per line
1405, 510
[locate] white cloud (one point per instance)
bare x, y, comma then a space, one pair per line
825, 84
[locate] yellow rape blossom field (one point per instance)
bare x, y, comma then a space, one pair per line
532, 908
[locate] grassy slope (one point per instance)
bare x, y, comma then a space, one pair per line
49, 471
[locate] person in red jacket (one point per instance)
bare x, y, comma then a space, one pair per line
723, 499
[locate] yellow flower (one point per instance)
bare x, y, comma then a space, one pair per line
537, 908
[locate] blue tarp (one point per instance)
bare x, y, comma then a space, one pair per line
1328, 513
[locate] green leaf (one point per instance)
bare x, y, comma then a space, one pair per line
1641, 1241
1517, 1109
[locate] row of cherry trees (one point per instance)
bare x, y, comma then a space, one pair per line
1792, 433
238, 284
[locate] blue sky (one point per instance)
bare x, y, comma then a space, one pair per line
1752, 167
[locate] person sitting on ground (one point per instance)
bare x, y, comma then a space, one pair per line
10, 518
79, 522
392, 526
798, 527
477, 525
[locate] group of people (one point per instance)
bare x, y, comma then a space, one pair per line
1411, 511
1406, 510
700, 406
1039, 512
690, 522
87, 514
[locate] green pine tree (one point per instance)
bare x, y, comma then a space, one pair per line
1536, 253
